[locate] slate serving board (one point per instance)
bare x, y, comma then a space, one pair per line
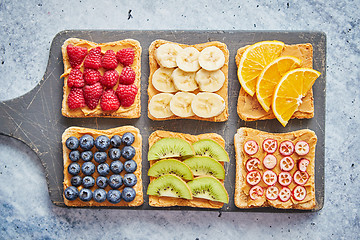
35, 118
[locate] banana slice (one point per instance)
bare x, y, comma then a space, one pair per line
188, 59
211, 58
159, 105
184, 81
161, 80
166, 55
180, 104
210, 81
207, 105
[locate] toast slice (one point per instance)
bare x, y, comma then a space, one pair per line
156, 201
78, 132
223, 91
123, 112
249, 108
242, 198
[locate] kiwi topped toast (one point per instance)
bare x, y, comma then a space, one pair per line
187, 170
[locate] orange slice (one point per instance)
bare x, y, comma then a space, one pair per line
254, 60
289, 92
270, 77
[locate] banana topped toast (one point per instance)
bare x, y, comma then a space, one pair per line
102, 167
187, 170
275, 169
188, 81
101, 79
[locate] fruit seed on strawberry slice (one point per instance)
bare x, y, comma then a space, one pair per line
303, 164
252, 164
300, 177
287, 164
256, 192
251, 147
269, 145
269, 161
269, 178
286, 148
299, 193
253, 177
272, 193
284, 194
302, 148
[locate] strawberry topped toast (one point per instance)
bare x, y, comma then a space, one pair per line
101, 80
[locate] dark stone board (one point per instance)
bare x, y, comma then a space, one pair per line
35, 118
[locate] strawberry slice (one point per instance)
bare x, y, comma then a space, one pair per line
269, 178
251, 147
303, 164
302, 148
287, 163
284, 179
253, 177
269, 161
286, 148
284, 194
270, 145
299, 193
256, 192
252, 164
300, 177
272, 193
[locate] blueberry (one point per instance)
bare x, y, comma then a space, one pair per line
115, 141
128, 138
85, 194
76, 181
115, 181
71, 193
128, 194
88, 168
74, 168
72, 143
128, 152
86, 156
99, 195
130, 166
116, 166
114, 153
100, 157
130, 180
102, 182
88, 181
102, 142
74, 155
86, 142
103, 169
114, 196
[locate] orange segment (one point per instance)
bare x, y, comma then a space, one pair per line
270, 77
254, 60
289, 92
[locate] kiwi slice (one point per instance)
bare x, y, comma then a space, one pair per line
210, 148
171, 166
169, 148
210, 188
169, 186
205, 166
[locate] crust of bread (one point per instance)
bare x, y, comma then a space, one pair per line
249, 108
156, 201
241, 199
223, 91
130, 112
78, 132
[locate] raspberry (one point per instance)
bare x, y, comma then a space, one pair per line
76, 54
110, 78
91, 76
109, 61
93, 59
75, 78
126, 94
109, 101
127, 76
76, 98
125, 56
92, 94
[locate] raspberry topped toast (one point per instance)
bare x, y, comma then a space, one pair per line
101, 79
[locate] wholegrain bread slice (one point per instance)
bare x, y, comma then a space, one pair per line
123, 112
249, 108
80, 131
241, 197
223, 91
156, 201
